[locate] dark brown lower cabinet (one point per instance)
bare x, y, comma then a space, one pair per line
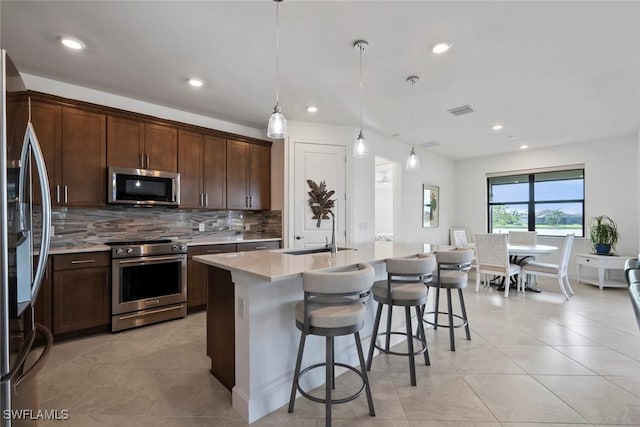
197, 274
81, 292
221, 330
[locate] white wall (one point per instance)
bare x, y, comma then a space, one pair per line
360, 177
611, 186
383, 208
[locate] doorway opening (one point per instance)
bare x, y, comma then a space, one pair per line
385, 184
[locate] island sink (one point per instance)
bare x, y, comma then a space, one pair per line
307, 251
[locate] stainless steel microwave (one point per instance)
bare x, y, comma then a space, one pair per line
143, 187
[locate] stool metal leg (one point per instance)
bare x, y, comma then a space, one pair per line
328, 380
296, 373
437, 308
420, 314
452, 340
389, 313
374, 334
372, 411
333, 368
464, 314
412, 362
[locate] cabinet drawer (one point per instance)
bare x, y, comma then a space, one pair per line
81, 260
211, 249
256, 246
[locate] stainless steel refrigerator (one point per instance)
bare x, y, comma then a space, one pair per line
25, 222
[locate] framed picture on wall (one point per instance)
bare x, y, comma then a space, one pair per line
430, 206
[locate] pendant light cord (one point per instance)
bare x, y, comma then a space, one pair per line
277, 49
361, 49
413, 110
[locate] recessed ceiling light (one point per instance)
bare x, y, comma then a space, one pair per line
497, 127
195, 82
441, 47
72, 42
312, 109
524, 147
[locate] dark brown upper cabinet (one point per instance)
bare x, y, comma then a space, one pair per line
135, 144
248, 176
202, 163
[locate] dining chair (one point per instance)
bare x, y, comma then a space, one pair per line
492, 257
559, 271
523, 237
459, 237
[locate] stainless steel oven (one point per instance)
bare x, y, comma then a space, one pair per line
149, 281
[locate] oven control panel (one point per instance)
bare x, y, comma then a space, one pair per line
148, 249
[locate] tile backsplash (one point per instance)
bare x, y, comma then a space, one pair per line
77, 225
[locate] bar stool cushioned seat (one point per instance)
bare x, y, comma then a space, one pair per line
405, 287
334, 304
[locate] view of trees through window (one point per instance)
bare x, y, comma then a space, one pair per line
551, 203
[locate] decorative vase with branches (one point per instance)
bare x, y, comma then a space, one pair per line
604, 234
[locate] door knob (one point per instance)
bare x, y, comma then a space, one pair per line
298, 237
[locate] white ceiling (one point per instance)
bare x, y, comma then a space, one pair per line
551, 72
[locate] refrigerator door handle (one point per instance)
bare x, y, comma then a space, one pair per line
42, 358
21, 357
31, 145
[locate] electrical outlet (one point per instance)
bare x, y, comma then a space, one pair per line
247, 227
201, 226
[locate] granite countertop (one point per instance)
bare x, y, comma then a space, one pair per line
276, 265
70, 248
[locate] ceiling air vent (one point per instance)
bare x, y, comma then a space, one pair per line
430, 144
459, 111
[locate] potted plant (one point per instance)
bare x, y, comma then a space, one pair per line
604, 234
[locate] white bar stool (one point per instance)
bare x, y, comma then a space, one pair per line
334, 304
404, 287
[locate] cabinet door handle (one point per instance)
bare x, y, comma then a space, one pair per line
82, 261
206, 199
66, 195
214, 251
250, 201
147, 160
200, 202
57, 193
260, 247
142, 160
246, 202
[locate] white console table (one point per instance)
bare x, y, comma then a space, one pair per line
601, 263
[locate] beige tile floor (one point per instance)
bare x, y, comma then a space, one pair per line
534, 360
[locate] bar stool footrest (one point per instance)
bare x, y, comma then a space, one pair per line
337, 401
444, 313
397, 353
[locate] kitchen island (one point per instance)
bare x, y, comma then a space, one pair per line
254, 294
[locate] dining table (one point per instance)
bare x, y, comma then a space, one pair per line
520, 252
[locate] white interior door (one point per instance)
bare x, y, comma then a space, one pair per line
318, 162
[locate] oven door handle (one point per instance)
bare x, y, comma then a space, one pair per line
151, 260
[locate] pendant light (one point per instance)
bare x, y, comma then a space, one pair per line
413, 162
277, 127
360, 148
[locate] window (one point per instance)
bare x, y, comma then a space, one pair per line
549, 202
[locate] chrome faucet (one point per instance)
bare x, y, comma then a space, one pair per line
333, 247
